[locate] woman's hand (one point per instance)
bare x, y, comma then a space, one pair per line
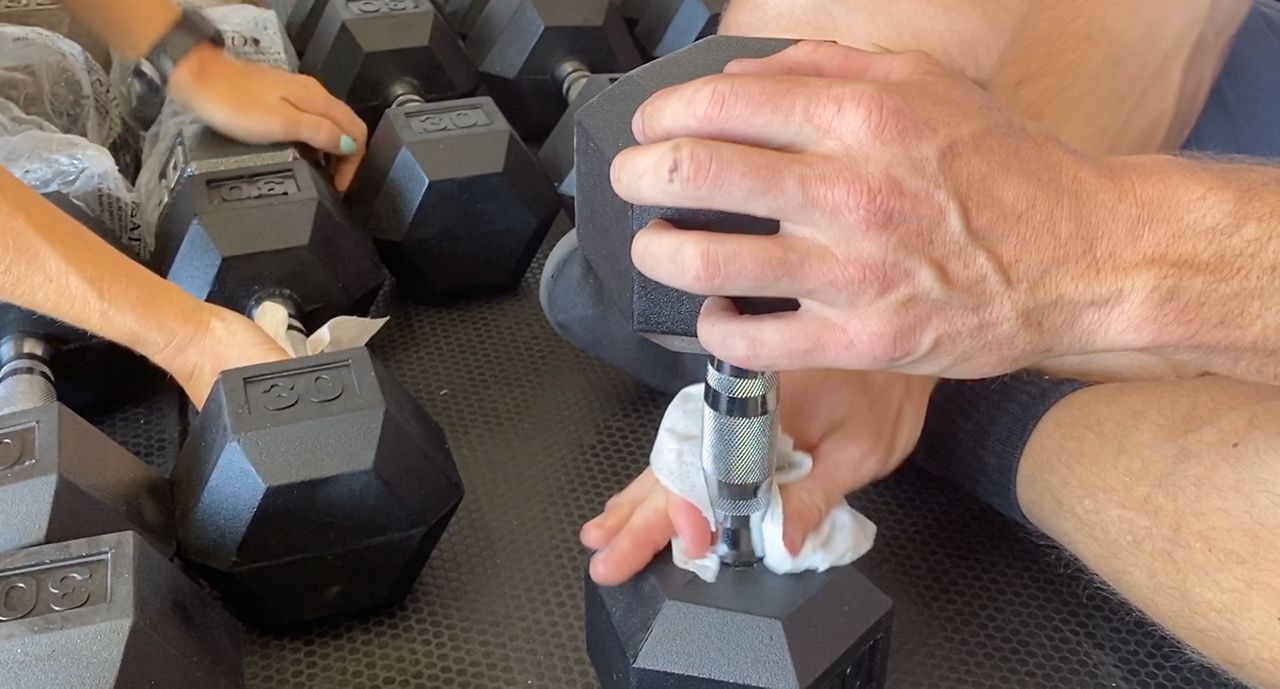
261, 104
225, 340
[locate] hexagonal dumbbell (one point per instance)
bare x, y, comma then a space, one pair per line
529, 51
311, 487
111, 612
371, 52
239, 219
455, 201
668, 628
60, 477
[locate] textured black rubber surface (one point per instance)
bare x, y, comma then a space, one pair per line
544, 436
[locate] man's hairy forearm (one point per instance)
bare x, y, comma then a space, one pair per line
1117, 78
53, 265
1195, 260
131, 27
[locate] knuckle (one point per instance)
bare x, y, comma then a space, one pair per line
692, 166
870, 201
918, 62
715, 99
705, 268
866, 279
872, 112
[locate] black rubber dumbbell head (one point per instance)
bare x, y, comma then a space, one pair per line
462, 14
242, 220
312, 488
607, 223
299, 18
369, 52
62, 479
525, 48
751, 629
111, 612
454, 200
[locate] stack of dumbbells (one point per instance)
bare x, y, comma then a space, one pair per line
318, 487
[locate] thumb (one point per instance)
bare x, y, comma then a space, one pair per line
805, 504
842, 463
690, 524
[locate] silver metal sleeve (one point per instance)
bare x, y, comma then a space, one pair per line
739, 433
25, 379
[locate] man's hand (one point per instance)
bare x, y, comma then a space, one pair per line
261, 104
859, 427
925, 229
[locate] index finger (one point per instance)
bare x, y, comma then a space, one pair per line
310, 96
344, 170
813, 59
778, 111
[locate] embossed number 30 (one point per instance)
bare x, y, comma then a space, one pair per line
282, 395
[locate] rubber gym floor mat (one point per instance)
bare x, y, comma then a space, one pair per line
544, 436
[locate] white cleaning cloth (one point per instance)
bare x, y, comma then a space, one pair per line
843, 537
343, 332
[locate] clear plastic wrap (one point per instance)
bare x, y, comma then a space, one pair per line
13, 121
252, 33
84, 171
48, 76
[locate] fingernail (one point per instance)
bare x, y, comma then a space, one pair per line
637, 125
348, 146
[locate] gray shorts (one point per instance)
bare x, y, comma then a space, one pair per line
1242, 116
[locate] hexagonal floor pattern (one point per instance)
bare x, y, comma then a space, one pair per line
544, 436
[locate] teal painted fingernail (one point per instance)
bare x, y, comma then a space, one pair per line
348, 145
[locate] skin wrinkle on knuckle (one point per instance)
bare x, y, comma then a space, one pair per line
706, 268
715, 97
867, 199
867, 112
691, 167
863, 280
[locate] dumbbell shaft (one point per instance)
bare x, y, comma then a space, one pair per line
296, 333
571, 75
25, 379
739, 430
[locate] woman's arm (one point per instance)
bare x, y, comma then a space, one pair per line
131, 27
51, 264
248, 102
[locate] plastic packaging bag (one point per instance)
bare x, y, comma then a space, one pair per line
49, 77
84, 171
253, 34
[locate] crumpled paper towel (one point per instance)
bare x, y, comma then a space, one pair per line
343, 332
844, 536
